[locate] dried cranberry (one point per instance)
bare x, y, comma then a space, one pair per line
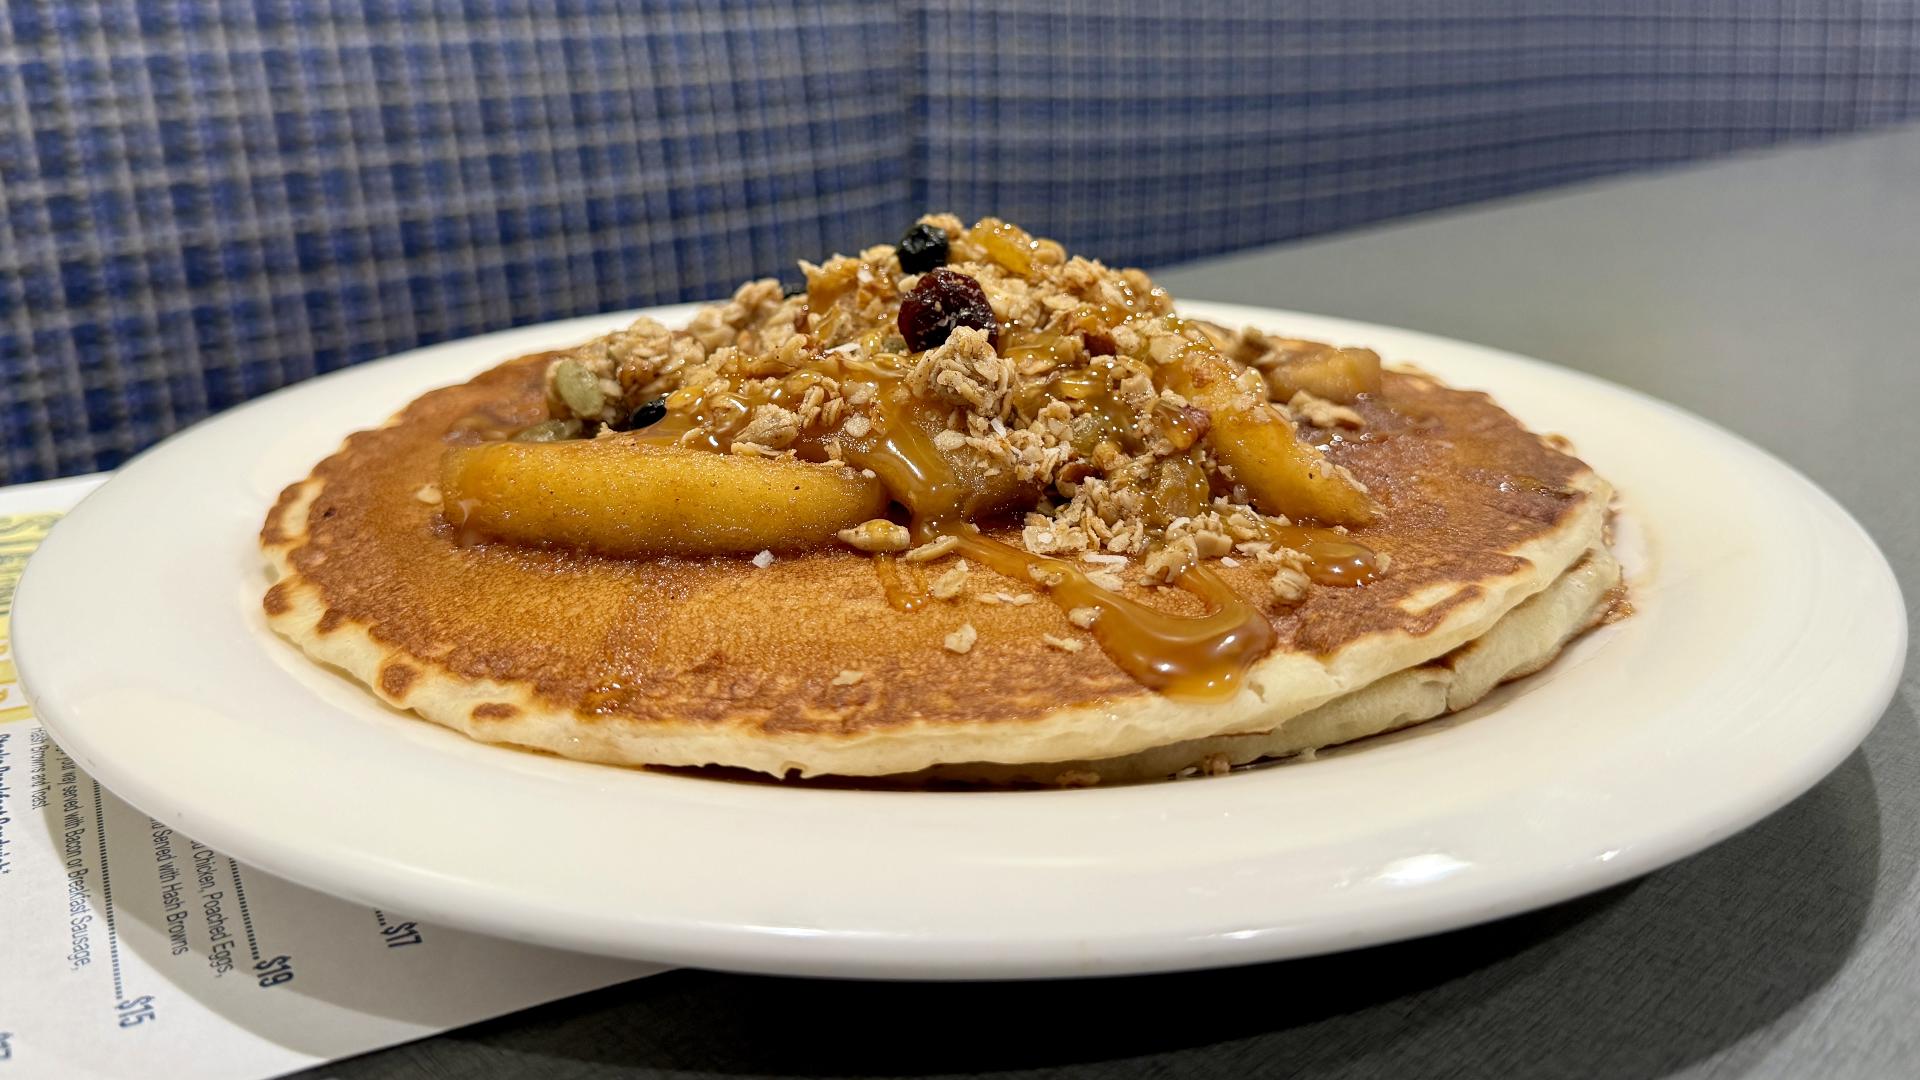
940, 301
923, 248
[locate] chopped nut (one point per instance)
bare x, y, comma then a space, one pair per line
1289, 584
857, 426
1063, 644
1212, 545
1107, 580
1045, 576
1268, 555
1167, 563
961, 640
1322, 413
1084, 617
847, 677
877, 535
763, 560
428, 493
948, 585
934, 550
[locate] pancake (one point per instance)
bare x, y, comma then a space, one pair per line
1524, 641
720, 661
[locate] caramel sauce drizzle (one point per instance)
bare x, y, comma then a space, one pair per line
1200, 657
1332, 557
1197, 657
904, 590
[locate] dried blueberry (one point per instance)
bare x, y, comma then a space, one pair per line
942, 300
646, 415
923, 248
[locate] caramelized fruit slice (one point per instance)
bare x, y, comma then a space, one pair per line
1006, 244
619, 496
1340, 375
1282, 474
1295, 364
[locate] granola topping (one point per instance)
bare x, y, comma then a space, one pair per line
983, 373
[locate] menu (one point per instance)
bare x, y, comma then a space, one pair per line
128, 949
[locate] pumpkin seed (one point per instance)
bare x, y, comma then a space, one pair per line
550, 431
579, 389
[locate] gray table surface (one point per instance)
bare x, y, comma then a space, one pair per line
1778, 295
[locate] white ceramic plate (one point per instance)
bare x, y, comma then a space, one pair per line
1767, 638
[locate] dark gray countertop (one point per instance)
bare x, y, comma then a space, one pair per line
1778, 295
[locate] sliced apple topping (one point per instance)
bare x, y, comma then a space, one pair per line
623, 496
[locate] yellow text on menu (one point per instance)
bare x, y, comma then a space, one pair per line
19, 535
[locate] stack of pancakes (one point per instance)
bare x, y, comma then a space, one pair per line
1493, 539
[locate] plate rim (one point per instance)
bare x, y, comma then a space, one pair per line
772, 949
